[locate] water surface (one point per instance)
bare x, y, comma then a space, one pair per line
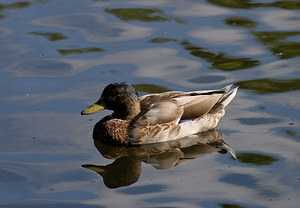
57, 56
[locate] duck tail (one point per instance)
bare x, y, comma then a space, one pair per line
225, 100
226, 88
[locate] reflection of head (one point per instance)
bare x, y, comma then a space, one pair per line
122, 172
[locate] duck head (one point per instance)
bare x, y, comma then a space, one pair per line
122, 98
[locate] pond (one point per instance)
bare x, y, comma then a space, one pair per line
57, 56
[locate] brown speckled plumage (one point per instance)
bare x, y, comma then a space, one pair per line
112, 131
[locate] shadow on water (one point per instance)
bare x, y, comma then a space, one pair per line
246, 4
220, 61
257, 159
277, 44
237, 21
51, 36
142, 14
270, 86
15, 5
126, 168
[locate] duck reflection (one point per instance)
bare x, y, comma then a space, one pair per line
126, 168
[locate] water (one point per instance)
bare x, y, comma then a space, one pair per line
57, 56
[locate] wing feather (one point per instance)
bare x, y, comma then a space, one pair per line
159, 113
197, 106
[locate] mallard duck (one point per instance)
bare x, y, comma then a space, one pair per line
158, 117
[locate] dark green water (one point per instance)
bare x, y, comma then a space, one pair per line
56, 56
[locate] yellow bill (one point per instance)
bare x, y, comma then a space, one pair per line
92, 109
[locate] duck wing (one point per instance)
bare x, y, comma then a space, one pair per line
156, 123
164, 111
195, 104
147, 100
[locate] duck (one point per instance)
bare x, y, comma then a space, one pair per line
158, 117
